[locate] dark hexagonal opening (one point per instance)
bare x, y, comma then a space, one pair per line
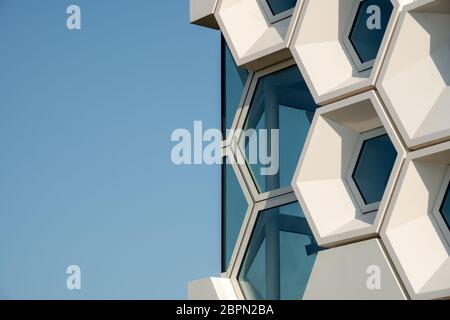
445, 207
367, 41
280, 6
373, 168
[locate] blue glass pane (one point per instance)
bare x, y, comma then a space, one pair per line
296, 264
445, 207
280, 255
279, 6
281, 101
234, 208
374, 166
254, 282
233, 80
366, 41
292, 209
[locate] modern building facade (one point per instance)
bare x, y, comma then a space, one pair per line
358, 92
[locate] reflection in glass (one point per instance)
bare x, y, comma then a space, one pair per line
281, 101
234, 208
233, 82
280, 255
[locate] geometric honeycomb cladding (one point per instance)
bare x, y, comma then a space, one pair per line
363, 184
415, 233
336, 172
328, 38
415, 80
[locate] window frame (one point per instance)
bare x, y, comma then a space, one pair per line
274, 18
245, 169
245, 237
363, 207
233, 273
227, 154
436, 213
237, 140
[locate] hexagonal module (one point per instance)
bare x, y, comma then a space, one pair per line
280, 103
258, 31
445, 207
373, 167
280, 255
321, 45
366, 31
346, 148
346, 270
415, 79
415, 232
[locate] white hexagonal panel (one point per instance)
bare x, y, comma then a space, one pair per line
415, 231
359, 271
256, 36
415, 80
341, 146
322, 48
211, 289
202, 13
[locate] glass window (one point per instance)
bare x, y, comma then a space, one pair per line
373, 168
233, 82
445, 207
280, 6
280, 255
367, 34
234, 208
281, 101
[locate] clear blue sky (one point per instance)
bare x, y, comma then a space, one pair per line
85, 170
